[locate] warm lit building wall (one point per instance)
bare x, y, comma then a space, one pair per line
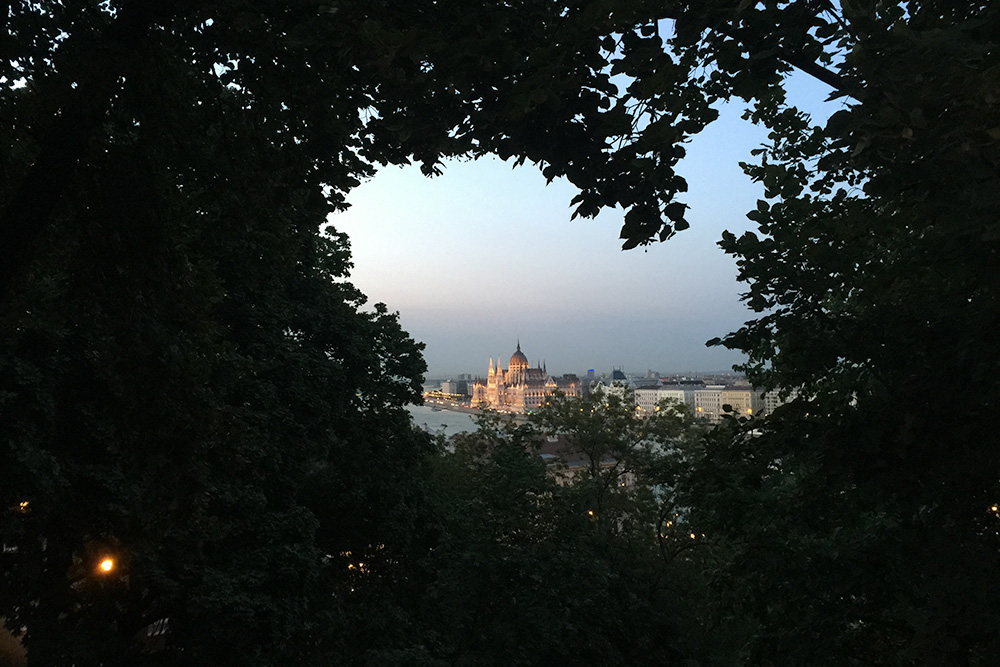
708, 403
647, 398
520, 388
743, 400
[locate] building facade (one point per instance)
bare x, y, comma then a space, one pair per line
745, 400
520, 388
708, 402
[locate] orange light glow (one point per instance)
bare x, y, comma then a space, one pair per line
106, 565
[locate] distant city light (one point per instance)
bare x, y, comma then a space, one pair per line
106, 565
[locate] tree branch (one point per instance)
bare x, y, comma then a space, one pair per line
796, 60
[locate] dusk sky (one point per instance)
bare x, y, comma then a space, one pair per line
486, 255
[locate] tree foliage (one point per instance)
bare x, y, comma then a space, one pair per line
536, 561
189, 381
189, 384
199, 393
873, 276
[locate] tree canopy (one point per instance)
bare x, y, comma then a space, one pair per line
189, 381
555, 560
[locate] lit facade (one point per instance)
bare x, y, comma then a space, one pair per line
520, 388
744, 401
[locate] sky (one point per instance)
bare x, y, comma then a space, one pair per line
486, 255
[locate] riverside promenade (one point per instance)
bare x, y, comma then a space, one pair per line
435, 404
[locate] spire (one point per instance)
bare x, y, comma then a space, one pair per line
518, 344
491, 365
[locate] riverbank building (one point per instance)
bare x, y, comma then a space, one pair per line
520, 388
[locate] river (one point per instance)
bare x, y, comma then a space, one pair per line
441, 421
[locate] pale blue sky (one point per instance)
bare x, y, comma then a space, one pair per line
485, 255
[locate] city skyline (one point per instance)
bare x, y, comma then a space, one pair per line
486, 254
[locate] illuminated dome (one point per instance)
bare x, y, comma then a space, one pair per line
518, 360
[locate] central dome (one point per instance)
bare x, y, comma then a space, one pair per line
518, 360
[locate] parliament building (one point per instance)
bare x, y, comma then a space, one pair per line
520, 388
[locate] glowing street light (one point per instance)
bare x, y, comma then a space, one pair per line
106, 565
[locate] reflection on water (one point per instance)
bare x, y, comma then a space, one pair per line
441, 421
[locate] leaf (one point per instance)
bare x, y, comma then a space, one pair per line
675, 211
